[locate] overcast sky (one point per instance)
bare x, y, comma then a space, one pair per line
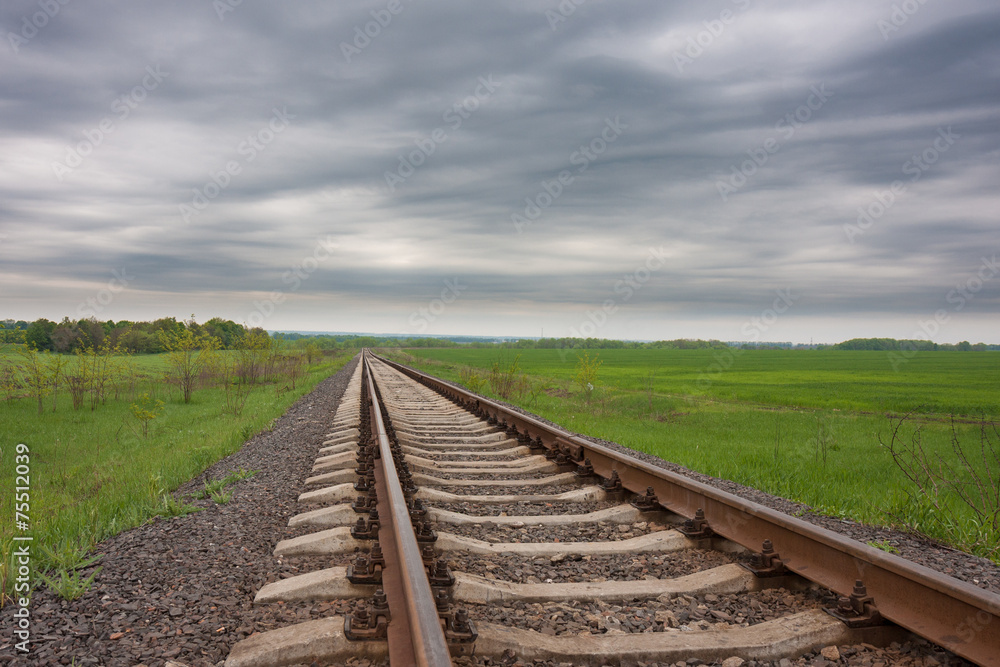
732, 169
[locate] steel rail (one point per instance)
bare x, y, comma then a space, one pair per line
428, 645
956, 615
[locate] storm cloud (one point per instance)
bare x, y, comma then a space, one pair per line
674, 166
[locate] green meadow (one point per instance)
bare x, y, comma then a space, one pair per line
809, 425
111, 464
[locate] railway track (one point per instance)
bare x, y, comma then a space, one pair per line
467, 533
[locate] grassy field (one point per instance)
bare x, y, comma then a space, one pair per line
802, 424
94, 473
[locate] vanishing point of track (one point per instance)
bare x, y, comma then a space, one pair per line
424, 494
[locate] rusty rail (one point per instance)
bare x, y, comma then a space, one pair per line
415, 635
958, 616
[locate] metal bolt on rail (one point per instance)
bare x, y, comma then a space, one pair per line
362, 484
427, 555
440, 574
585, 469
858, 610
458, 627
564, 462
696, 528
369, 621
365, 502
416, 507
367, 529
767, 562
612, 484
364, 571
362, 467
367, 569
425, 534
646, 503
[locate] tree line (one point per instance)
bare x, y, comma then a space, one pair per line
68, 336
896, 345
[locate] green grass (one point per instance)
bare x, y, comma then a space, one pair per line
801, 424
93, 474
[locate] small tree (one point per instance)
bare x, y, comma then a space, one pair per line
34, 374
505, 377
253, 350
586, 372
145, 411
188, 355
103, 369
236, 388
78, 378
313, 353
56, 364
9, 382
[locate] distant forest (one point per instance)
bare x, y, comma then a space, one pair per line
144, 338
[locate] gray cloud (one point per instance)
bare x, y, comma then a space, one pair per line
495, 103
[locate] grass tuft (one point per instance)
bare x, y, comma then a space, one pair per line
170, 507
69, 584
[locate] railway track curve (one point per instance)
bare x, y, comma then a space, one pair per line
470, 533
